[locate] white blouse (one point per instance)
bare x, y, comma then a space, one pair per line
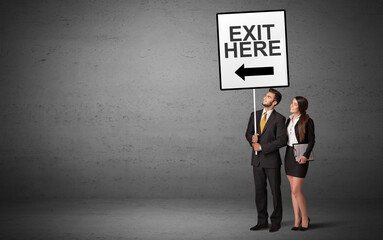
291, 137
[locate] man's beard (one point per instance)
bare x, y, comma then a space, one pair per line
267, 105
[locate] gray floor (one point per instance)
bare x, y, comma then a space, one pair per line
181, 219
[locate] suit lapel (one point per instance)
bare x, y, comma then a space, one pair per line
287, 122
259, 113
296, 131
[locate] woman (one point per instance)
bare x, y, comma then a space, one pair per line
300, 129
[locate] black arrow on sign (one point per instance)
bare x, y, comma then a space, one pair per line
242, 72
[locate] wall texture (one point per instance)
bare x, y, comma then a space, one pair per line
121, 99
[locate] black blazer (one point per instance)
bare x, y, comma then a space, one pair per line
274, 136
309, 136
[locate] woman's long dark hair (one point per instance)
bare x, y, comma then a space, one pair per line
302, 106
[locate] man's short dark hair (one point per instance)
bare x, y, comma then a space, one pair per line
278, 95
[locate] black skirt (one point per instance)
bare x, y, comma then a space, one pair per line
292, 167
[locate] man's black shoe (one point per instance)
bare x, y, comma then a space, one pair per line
259, 226
274, 228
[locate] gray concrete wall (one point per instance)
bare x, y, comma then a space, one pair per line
121, 99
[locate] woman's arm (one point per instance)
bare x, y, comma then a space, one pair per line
310, 130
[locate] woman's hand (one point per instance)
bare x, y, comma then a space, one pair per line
302, 160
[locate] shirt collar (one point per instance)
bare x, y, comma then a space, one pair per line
268, 112
291, 117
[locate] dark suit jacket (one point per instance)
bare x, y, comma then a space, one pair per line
309, 136
274, 136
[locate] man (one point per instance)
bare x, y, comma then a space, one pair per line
271, 135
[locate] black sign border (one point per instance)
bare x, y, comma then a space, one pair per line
219, 50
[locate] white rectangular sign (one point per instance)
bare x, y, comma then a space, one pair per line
252, 50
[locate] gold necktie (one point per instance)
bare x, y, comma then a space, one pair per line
263, 122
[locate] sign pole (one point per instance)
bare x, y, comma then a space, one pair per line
252, 67
255, 117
